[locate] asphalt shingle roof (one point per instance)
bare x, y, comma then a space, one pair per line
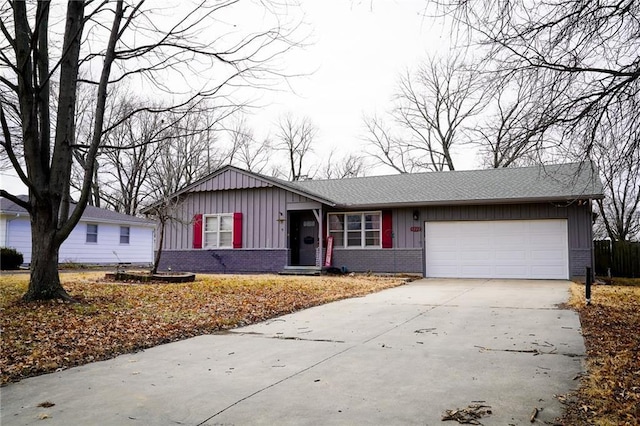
539, 183
90, 213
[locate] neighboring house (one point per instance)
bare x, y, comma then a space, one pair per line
100, 237
533, 222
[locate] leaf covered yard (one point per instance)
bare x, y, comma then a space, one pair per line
610, 393
114, 318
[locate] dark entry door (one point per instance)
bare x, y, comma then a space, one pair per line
303, 238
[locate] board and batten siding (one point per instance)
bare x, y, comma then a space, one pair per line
264, 213
75, 249
579, 224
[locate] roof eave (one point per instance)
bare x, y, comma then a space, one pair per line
149, 224
529, 200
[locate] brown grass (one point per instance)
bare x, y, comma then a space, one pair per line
610, 393
114, 318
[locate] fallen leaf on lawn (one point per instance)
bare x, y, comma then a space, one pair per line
115, 318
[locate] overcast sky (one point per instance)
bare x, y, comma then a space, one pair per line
360, 50
357, 51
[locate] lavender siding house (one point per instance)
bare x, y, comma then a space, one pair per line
533, 222
100, 237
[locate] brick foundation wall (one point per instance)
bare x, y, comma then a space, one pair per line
224, 261
384, 260
579, 259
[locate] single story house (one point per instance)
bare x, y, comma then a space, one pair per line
100, 237
531, 222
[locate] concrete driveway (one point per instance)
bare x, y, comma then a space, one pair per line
401, 356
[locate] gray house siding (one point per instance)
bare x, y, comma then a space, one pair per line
264, 227
408, 255
263, 214
264, 204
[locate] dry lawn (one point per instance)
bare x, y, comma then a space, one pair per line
610, 393
116, 318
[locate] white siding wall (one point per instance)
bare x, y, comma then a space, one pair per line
3, 231
19, 236
76, 249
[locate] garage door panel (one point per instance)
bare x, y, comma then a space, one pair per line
508, 241
509, 255
548, 256
445, 256
548, 270
471, 256
545, 240
469, 271
500, 249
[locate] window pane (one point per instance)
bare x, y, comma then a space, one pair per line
354, 239
336, 222
225, 239
226, 223
354, 222
372, 238
124, 234
211, 224
338, 238
372, 221
92, 233
211, 239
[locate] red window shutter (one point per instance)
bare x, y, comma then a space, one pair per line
237, 230
387, 229
197, 231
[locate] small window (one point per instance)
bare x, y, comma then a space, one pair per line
124, 234
92, 233
218, 231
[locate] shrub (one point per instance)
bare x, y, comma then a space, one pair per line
10, 258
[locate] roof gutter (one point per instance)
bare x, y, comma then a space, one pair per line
472, 202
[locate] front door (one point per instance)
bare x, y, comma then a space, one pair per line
303, 238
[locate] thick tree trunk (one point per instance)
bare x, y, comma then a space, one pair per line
44, 283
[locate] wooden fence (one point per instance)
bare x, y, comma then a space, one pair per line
620, 258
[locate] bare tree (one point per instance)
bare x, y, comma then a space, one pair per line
620, 209
588, 52
247, 152
295, 138
184, 155
103, 43
514, 130
616, 151
387, 148
433, 105
133, 147
351, 165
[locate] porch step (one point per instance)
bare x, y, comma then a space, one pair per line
301, 270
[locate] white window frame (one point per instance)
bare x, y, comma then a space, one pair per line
86, 239
217, 231
128, 235
363, 229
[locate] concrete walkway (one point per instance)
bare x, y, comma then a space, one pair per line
401, 356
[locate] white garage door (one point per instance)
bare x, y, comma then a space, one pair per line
497, 249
